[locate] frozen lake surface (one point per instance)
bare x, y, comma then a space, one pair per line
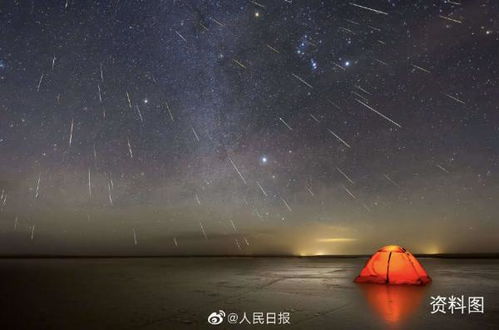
180, 293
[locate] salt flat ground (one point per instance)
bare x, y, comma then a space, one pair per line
180, 293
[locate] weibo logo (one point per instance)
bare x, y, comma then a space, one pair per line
216, 318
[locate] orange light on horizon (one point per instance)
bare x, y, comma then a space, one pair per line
335, 240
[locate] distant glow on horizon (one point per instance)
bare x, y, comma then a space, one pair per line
432, 250
335, 240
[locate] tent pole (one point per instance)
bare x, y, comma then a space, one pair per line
388, 268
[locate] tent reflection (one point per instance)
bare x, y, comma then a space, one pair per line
393, 303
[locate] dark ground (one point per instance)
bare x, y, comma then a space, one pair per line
179, 293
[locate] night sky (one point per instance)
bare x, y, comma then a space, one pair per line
248, 127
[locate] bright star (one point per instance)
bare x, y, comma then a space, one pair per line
347, 63
313, 63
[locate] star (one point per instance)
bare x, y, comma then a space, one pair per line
313, 64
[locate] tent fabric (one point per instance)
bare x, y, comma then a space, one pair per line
393, 264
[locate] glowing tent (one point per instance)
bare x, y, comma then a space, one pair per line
393, 264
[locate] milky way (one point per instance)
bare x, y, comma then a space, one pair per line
248, 127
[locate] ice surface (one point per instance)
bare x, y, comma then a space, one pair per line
179, 293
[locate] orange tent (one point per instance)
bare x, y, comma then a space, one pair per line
393, 264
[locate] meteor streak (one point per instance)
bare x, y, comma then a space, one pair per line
370, 9
286, 124
378, 113
303, 81
237, 170
339, 139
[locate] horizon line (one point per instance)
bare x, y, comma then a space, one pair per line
484, 255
